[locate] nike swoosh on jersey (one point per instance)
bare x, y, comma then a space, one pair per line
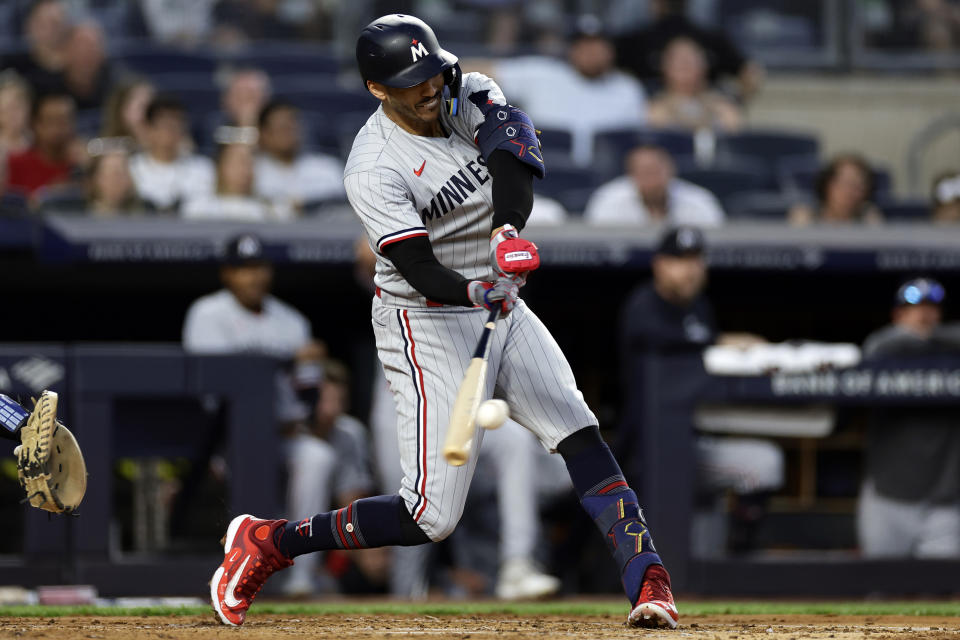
420, 170
229, 598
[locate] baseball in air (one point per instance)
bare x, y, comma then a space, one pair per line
492, 413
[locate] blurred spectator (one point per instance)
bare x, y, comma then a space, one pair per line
671, 315
179, 22
650, 193
164, 174
946, 198
14, 114
234, 198
583, 94
87, 74
125, 114
47, 29
52, 158
239, 21
244, 97
641, 51
328, 463
687, 102
286, 176
910, 499
912, 24
110, 189
844, 192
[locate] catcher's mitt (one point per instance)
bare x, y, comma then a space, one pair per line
49, 463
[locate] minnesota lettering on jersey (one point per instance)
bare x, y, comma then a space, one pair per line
455, 190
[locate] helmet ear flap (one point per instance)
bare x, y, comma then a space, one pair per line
452, 78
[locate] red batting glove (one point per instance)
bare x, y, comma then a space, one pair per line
512, 255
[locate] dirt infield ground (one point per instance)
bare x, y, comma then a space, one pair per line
479, 627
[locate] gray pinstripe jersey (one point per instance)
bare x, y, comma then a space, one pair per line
402, 185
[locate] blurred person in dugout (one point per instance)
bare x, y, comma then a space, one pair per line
285, 175
946, 198
328, 463
165, 172
243, 316
521, 474
583, 94
670, 315
687, 101
651, 193
844, 192
910, 499
234, 197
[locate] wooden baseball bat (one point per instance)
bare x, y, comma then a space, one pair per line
462, 426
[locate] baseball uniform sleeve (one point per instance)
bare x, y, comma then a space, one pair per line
471, 115
385, 206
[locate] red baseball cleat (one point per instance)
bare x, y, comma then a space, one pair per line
250, 557
655, 607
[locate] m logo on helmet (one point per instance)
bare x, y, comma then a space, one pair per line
417, 50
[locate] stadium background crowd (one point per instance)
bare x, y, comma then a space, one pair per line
657, 113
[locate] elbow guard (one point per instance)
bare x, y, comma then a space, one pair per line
508, 128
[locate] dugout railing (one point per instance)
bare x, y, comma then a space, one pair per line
93, 381
665, 472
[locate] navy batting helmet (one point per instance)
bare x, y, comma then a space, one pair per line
402, 51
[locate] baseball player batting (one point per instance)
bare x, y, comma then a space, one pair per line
441, 175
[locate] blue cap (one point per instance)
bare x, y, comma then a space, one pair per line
919, 291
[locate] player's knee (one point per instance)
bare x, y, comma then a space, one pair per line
439, 528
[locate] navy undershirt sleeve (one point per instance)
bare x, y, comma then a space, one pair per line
512, 189
415, 261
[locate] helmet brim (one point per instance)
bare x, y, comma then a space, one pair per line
422, 70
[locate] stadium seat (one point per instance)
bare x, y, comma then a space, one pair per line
279, 59
770, 147
60, 200
281, 84
319, 134
87, 122
728, 180
770, 206
895, 210
197, 91
571, 186
332, 101
556, 143
611, 146
13, 204
150, 59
